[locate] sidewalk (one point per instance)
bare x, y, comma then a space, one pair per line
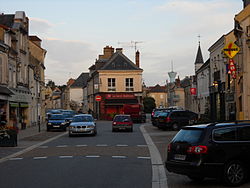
31, 131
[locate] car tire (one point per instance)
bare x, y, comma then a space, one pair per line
70, 135
48, 129
113, 130
196, 178
131, 130
175, 127
234, 173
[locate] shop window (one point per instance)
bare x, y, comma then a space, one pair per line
111, 84
129, 84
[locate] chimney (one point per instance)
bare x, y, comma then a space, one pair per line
246, 2
119, 50
137, 59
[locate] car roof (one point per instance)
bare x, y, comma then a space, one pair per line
123, 115
83, 115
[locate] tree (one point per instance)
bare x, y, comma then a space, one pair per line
149, 104
51, 84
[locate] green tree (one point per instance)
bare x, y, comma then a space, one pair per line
149, 104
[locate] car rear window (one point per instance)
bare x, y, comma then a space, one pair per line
191, 136
122, 118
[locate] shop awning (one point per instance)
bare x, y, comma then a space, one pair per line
120, 101
14, 104
5, 91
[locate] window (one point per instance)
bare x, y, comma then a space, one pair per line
129, 84
244, 133
1, 69
111, 84
188, 136
227, 134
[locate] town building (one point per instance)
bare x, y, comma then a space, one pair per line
117, 80
159, 93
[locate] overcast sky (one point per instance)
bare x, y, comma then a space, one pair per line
74, 32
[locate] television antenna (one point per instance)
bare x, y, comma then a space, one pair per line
131, 44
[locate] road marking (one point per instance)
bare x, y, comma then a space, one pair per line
43, 147
15, 159
92, 156
142, 145
62, 146
121, 145
65, 157
143, 157
39, 158
30, 148
81, 145
119, 157
101, 145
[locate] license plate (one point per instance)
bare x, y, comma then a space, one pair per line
56, 126
180, 157
161, 120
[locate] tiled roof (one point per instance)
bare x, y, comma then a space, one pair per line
158, 89
81, 81
119, 61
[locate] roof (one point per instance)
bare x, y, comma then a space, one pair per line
5, 91
199, 58
158, 89
81, 81
119, 61
206, 64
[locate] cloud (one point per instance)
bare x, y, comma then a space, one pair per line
65, 59
40, 26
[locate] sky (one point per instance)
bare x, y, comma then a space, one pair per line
75, 32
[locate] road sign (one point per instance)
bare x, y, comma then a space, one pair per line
98, 98
231, 49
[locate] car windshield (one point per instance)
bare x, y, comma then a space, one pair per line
56, 117
82, 119
122, 118
188, 136
68, 115
165, 114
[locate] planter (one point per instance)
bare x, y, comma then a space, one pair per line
8, 137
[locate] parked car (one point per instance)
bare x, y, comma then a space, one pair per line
216, 150
155, 113
175, 119
82, 124
122, 122
56, 121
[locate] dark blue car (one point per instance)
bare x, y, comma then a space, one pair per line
57, 121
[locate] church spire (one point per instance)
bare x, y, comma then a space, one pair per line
199, 59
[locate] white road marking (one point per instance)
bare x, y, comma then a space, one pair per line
62, 146
81, 145
43, 147
121, 145
119, 157
142, 145
101, 145
143, 157
15, 159
92, 156
40, 157
65, 157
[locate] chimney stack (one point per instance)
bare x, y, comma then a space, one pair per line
137, 59
108, 51
119, 50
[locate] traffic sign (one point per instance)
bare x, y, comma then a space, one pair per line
231, 49
98, 98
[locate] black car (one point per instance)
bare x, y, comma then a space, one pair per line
216, 150
155, 114
175, 119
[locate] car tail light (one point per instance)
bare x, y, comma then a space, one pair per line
168, 119
153, 114
198, 149
169, 147
114, 123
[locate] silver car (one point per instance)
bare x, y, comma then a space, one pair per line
82, 124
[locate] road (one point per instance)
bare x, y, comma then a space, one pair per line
119, 159
112, 160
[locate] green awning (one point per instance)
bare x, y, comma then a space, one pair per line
24, 105
14, 104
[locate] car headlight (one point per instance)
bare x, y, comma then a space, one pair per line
90, 126
49, 123
63, 123
71, 127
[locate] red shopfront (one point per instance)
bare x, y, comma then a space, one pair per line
112, 104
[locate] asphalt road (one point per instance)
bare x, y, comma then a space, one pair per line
112, 160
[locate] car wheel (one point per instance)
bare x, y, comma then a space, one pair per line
131, 129
196, 178
48, 129
113, 130
234, 173
175, 127
70, 135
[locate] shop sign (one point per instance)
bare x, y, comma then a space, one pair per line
193, 91
231, 49
120, 96
232, 68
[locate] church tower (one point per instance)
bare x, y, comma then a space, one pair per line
199, 59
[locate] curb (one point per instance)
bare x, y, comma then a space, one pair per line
159, 178
30, 148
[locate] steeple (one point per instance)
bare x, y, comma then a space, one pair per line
199, 59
